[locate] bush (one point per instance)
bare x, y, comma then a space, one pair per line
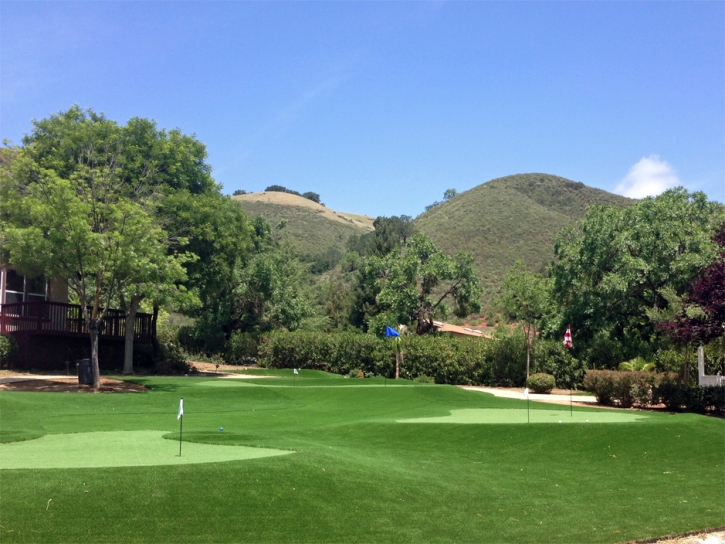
541, 383
551, 357
242, 348
670, 391
627, 388
601, 383
445, 359
424, 379
8, 351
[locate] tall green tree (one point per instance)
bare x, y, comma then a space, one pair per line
614, 265
83, 228
525, 297
155, 168
415, 284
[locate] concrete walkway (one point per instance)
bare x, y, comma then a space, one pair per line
509, 394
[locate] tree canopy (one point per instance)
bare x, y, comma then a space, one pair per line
615, 265
417, 280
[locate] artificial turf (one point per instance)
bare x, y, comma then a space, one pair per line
357, 473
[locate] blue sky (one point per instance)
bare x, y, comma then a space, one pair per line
382, 106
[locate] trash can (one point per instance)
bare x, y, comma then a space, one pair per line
85, 376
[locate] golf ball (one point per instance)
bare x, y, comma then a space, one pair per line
221, 428
559, 421
587, 421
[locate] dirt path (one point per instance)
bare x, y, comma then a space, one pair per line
64, 384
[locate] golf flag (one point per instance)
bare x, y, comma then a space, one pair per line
526, 394
567, 338
390, 331
181, 408
295, 371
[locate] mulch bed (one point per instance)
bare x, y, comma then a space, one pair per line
71, 385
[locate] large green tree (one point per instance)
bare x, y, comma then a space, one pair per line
417, 281
525, 296
156, 169
81, 224
615, 264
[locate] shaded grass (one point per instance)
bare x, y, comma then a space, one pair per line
358, 476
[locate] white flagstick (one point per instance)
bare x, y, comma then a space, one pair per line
526, 396
180, 417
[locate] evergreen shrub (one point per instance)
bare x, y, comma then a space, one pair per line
242, 348
541, 383
551, 357
500, 361
8, 350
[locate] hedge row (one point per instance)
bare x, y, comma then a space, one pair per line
649, 388
448, 360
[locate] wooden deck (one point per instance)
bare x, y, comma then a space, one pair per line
60, 319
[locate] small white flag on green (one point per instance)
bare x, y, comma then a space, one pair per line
295, 371
526, 394
181, 409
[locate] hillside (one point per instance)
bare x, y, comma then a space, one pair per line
312, 228
510, 218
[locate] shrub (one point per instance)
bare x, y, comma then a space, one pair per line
551, 357
623, 388
242, 348
541, 383
627, 388
643, 388
8, 351
424, 379
446, 359
714, 397
601, 383
669, 391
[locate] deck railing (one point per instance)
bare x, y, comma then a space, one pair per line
61, 319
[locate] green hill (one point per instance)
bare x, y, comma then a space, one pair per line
511, 218
312, 228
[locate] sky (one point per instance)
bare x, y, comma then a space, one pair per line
381, 106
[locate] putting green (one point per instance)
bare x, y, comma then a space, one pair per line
514, 415
118, 449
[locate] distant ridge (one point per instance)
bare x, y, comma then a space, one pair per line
312, 228
511, 218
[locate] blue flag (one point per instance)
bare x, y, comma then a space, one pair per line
390, 331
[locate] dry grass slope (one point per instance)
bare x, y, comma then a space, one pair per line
312, 228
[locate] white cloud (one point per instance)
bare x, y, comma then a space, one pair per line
649, 177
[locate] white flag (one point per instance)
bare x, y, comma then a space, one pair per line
181, 409
526, 394
296, 371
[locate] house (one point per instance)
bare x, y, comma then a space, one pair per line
456, 330
50, 332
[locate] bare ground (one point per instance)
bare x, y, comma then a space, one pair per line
67, 385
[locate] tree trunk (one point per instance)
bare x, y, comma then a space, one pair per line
154, 340
686, 377
528, 358
128, 339
93, 327
397, 365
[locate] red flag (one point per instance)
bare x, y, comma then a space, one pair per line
567, 338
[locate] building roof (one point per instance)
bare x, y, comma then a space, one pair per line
457, 330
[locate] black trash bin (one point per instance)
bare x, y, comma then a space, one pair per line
85, 376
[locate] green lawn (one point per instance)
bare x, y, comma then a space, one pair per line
328, 459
